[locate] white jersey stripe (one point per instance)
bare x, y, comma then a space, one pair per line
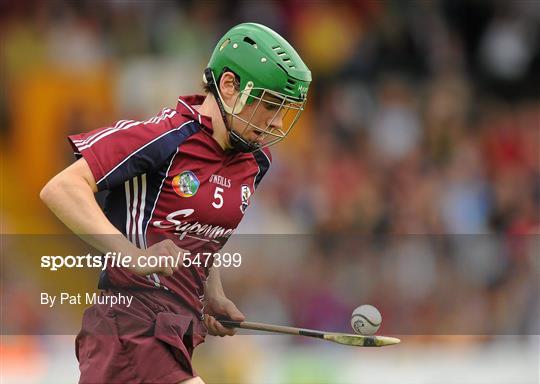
188, 106
119, 124
134, 211
152, 281
142, 241
255, 178
159, 192
128, 216
119, 127
156, 277
108, 132
144, 146
269, 162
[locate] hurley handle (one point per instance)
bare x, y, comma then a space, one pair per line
229, 323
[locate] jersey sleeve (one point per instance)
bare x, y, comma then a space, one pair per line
130, 148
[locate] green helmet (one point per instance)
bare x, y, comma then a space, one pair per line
266, 65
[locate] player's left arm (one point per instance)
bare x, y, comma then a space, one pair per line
217, 304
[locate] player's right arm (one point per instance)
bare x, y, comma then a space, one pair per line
108, 157
70, 194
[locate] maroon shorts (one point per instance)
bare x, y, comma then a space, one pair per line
152, 341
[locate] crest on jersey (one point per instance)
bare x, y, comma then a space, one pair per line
245, 195
185, 184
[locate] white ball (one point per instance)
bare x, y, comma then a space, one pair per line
366, 320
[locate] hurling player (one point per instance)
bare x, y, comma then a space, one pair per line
178, 182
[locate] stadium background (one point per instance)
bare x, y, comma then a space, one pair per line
423, 119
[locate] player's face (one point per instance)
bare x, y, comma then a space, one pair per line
261, 118
264, 119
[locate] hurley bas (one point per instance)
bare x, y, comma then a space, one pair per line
87, 298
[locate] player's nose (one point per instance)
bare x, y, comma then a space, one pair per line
276, 123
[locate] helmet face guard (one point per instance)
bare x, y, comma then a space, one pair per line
284, 108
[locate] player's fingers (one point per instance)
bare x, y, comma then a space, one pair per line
177, 254
222, 330
163, 247
172, 252
216, 329
226, 331
210, 326
168, 243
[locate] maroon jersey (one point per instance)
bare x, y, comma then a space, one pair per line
169, 178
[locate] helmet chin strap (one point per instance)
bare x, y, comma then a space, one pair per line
238, 143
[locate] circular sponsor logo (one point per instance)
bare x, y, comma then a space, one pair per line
185, 184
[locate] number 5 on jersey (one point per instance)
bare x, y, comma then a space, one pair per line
218, 198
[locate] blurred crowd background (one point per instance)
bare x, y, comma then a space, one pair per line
423, 121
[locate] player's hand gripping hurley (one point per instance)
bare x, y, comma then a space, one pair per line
341, 338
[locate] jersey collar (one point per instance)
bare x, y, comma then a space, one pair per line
185, 107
